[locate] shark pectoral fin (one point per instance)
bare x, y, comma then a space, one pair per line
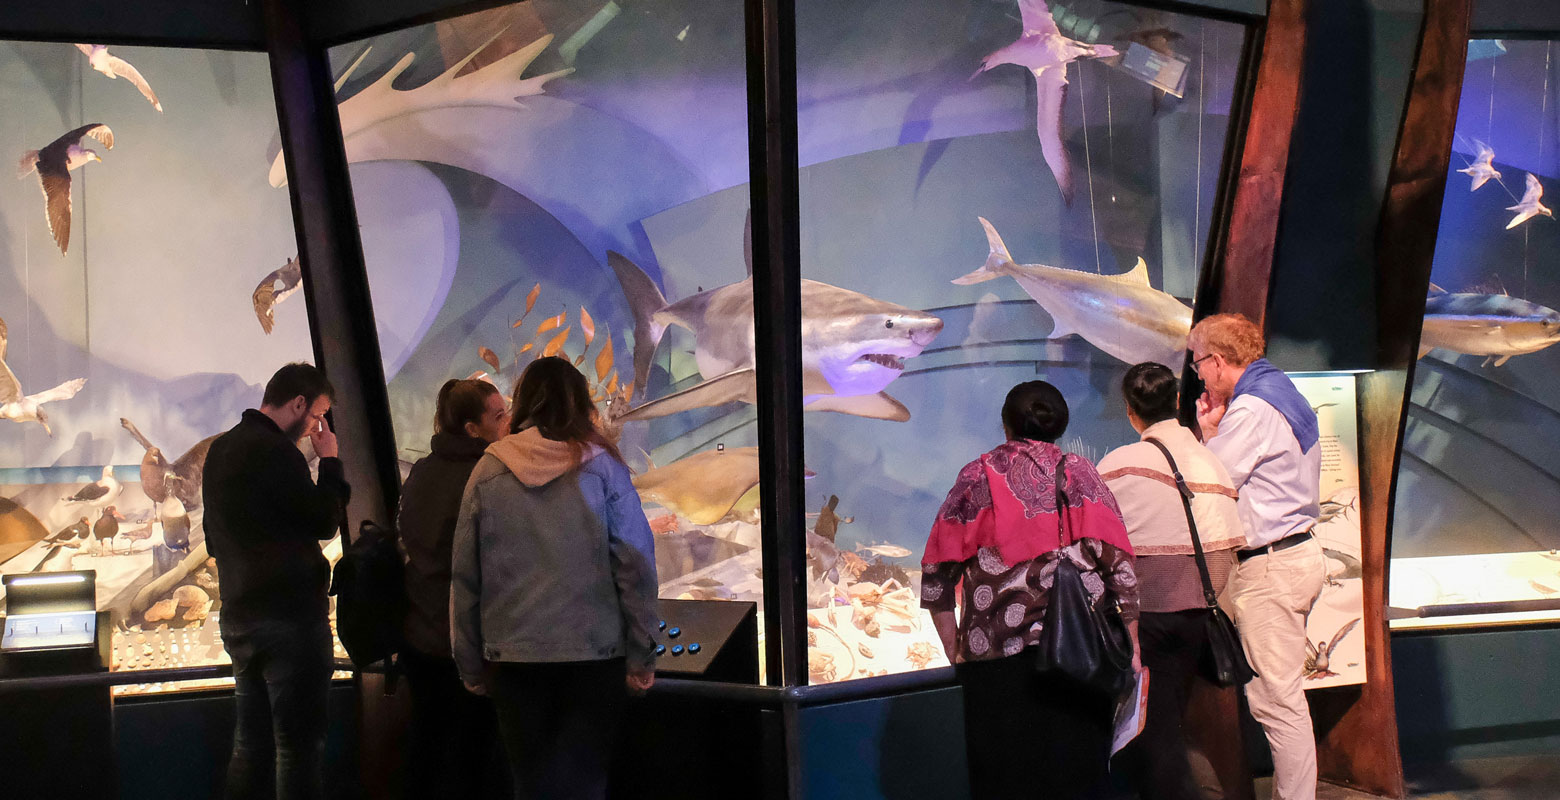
871, 406
1502, 360
1424, 350
738, 386
1059, 329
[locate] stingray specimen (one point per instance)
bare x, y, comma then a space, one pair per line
1120, 314
116, 67
1045, 52
17, 406
1495, 325
1482, 168
267, 296
853, 345
53, 164
1529, 207
706, 488
496, 85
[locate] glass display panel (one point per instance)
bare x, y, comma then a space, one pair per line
568, 178
134, 325
971, 226
1475, 531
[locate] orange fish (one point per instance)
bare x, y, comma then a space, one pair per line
551, 323
528, 346
604, 360
490, 357
587, 325
612, 384
556, 344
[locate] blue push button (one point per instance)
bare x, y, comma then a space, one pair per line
674, 632
660, 649
677, 649
694, 648
661, 626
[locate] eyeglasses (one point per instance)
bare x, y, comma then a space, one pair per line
1197, 361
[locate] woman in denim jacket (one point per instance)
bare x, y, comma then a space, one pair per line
553, 587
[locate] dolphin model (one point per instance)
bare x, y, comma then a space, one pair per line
1120, 314
1494, 325
853, 345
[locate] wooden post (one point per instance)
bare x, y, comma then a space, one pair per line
1357, 726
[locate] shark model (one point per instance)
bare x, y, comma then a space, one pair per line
853, 345
1494, 325
1045, 52
1120, 314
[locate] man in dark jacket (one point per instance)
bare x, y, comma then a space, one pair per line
265, 518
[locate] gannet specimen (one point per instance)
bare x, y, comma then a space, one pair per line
1045, 52
267, 297
116, 67
54, 164
19, 407
100, 492
1481, 169
1529, 207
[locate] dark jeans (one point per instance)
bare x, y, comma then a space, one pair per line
1156, 762
453, 749
1028, 736
560, 724
281, 675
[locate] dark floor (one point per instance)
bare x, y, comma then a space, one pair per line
1514, 778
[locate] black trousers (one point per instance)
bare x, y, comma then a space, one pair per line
453, 749
281, 676
560, 725
1028, 736
1156, 762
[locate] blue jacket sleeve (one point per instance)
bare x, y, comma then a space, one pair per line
632, 551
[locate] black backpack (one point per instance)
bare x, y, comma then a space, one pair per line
370, 596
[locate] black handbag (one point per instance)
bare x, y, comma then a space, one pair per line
1224, 660
1082, 642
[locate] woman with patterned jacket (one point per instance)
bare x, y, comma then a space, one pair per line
993, 553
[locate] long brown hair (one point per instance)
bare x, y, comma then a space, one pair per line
553, 397
461, 401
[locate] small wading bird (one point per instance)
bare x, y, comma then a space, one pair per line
54, 164
19, 407
1045, 52
1482, 168
116, 67
267, 297
1529, 207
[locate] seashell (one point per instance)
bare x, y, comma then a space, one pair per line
861, 648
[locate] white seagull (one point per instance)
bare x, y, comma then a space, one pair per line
116, 67
54, 164
267, 296
100, 493
1044, 51
18, 407
1481, 169
1529, 207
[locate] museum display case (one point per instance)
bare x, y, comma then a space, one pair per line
1474, 531
147, 275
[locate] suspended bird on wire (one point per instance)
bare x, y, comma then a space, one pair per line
19, 407
1529, 207
116, 67
267, 297
54, 164
1045, 52
1482, 168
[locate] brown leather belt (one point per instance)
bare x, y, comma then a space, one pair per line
1282, 544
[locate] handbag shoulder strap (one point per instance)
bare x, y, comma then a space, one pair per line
1061, 501
1191, 523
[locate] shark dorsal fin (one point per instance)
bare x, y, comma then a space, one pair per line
1436, 289
1137, 276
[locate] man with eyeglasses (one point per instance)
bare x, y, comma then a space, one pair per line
1265, 433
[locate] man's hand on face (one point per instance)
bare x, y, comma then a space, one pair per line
323, 439
1210, 412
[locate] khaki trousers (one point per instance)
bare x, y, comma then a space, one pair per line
1270, 597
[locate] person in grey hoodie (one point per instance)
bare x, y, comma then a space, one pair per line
553, 587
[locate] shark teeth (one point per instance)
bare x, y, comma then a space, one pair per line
884, 360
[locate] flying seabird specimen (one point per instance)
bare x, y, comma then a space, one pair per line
1482, 168
19, 407
54, 164
1529, 207
1045, 52
116, 67
267, 297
